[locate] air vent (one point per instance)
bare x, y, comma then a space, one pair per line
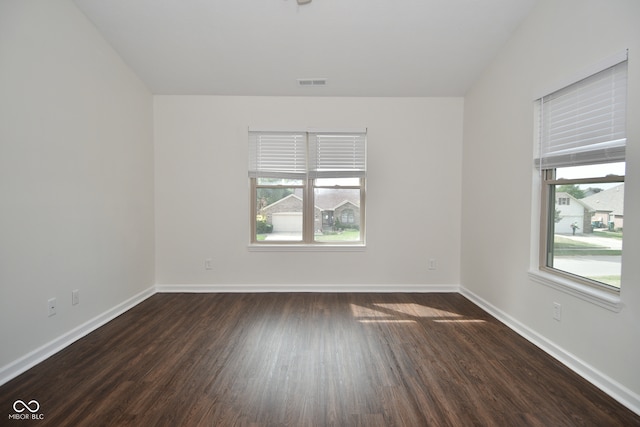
312, 82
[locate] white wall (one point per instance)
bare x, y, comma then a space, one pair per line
77, 183
76, 176
557, 40
202, 195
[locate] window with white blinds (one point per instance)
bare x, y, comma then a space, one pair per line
296, 154
337, 155
585, 123
307, 188
582, 166
277, 154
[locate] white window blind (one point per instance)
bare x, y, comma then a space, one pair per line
337, 155
585, 123
301, 154
277, 155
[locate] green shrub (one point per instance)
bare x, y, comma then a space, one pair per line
338, 225
263, 228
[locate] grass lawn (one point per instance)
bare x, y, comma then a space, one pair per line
560, 242
345, 236
567, 246
609, 234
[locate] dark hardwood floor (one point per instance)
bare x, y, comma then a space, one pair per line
307, 360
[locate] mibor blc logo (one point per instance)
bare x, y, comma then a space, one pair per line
26, 411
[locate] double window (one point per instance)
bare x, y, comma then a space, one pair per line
582, 166
307, 188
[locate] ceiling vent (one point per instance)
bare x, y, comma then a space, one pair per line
312, 82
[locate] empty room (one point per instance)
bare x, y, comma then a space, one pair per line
319, 213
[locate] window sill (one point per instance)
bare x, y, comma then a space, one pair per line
598, 297
305, 248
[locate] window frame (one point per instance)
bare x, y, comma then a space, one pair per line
547, 203
308, 186
308, 213
254, 186
568, 283
361, 187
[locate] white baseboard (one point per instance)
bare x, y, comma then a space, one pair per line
614, 389
38, 355
243, 288
608, 385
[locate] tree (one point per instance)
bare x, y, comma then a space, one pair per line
592, 190
267, 196
571, 189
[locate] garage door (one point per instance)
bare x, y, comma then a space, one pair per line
287, 222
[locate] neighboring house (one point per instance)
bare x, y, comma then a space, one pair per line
572, 211
285, 215
333, 209
608, 206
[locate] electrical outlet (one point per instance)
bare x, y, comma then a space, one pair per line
75, 297
432, 264
557, 311
208, 264
51, 306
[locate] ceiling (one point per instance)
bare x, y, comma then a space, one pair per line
261, 47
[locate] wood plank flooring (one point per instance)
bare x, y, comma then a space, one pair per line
307, 360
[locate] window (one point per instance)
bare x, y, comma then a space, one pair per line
582, 166
307, 188
348, 216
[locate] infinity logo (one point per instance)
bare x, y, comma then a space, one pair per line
19, 403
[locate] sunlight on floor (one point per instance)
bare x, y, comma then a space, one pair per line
416, 310
386, 321
459, 321
406, 313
